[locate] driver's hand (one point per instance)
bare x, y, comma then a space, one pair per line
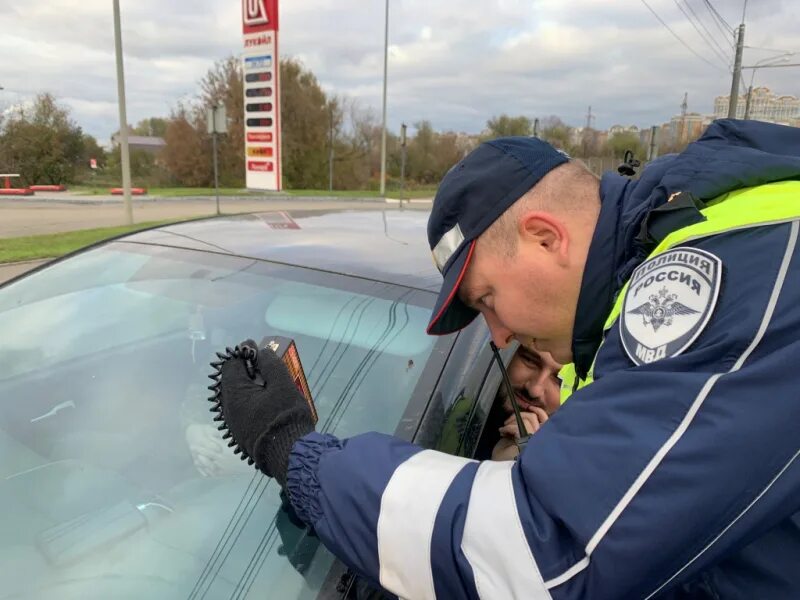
532, 419
505, 449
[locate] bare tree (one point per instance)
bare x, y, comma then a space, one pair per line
504, 126
187, 153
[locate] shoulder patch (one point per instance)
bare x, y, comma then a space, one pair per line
668, 304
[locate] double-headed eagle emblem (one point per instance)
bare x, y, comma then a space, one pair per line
661, 308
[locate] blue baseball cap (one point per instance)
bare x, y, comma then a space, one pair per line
472, 196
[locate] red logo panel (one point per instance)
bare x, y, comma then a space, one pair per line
259, 15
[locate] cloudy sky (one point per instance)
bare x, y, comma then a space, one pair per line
454, 62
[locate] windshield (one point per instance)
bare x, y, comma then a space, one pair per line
114, 481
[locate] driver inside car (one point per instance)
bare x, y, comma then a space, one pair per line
534, 379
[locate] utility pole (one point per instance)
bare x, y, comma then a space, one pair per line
589, 118
684, 109
536, 127
123, 119
653, 150
385, 72
747, 103
737, 72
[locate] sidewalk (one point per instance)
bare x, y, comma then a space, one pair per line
7, 271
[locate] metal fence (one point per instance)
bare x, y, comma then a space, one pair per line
600, 164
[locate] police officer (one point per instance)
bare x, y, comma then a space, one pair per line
672, 469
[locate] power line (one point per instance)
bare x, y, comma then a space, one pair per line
725, 33
708, 31
677, 37
719, 53
719, 17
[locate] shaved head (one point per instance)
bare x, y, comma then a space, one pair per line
570, 190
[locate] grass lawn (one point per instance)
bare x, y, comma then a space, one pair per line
57, 244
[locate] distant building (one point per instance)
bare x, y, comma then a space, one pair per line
588, 139
615, 129
683, 129
764, 106
147, 143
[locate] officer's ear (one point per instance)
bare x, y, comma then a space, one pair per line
542, 232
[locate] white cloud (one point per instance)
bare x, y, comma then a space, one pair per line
454, 63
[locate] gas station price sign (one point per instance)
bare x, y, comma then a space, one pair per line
261, 94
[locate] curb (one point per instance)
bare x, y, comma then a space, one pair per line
21, 263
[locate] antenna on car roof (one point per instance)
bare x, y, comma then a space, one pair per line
524, 436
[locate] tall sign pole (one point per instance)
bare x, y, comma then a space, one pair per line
262, 112
217, 121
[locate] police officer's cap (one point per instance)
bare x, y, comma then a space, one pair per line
473, 194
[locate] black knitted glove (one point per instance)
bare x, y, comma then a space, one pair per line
260, 406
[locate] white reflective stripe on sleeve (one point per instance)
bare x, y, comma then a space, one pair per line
494, 542
447, 246
409, 506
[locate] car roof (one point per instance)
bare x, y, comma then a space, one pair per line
385, 245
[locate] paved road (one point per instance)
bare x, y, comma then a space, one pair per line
20, 217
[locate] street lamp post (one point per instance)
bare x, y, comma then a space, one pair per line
383, 132
771, 61
330, 149
123, 119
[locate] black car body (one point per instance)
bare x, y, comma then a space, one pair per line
114, 482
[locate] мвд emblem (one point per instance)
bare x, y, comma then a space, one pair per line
669, 302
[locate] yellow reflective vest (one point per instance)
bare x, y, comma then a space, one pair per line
767, 204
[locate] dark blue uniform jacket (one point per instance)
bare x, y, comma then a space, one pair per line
672, 478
